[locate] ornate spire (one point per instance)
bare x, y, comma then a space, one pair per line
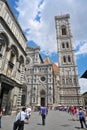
47, 59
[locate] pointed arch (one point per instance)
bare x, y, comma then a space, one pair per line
63, 45
67, 45
64, 59
42, 92
4, 41
63, 29
21, 59
14, 50
69, 58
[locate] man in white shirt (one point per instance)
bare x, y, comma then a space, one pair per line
19, 123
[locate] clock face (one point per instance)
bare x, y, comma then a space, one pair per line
43, 78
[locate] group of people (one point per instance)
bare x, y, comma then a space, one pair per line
25, 114
80, 114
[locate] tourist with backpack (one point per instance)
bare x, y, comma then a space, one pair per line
82, 118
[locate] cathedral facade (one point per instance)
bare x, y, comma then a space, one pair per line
40, 79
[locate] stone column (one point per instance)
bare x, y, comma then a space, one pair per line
14, 101
3, 58
17, 76
14, 95
7, 57
14, 68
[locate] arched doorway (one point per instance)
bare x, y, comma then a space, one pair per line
42, 99
5, 99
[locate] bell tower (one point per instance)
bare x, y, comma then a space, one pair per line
68, 70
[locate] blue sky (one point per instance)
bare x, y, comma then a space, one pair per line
36, 18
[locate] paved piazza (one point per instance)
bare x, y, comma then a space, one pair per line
56, 120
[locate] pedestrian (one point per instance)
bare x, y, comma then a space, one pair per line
72, 112
28, 112
77, 113
3, 110
19, 123
82, 118
43, 112
0, 115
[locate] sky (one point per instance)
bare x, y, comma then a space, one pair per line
37, 20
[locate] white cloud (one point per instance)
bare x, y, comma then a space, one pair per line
56, 63
83, 85
82, 49
44, 32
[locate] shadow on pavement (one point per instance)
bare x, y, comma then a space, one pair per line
39, 124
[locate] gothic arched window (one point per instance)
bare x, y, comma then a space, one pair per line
67, 81
64, 59
42, 92
67, 45
21, 61
63, 28
69, 59
12, 56
3, 41
70, 81
75, 82
63, 45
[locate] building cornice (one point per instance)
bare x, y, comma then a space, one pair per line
9, 81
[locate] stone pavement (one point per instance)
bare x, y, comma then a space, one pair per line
56, 120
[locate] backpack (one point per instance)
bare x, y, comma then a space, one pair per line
81, 115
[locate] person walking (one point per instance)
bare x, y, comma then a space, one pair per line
82, 117
43, 112
19, 123
0, 115
28, 112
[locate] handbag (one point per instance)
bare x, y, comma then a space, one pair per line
18, 122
